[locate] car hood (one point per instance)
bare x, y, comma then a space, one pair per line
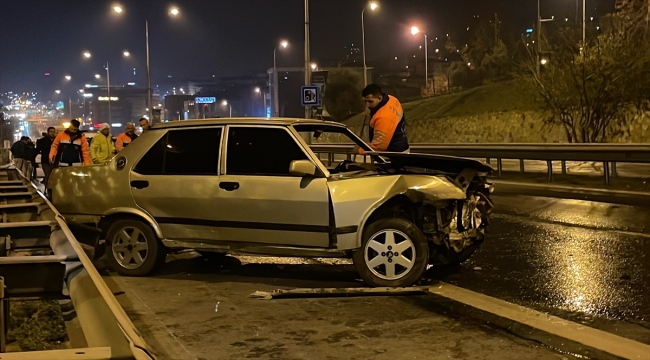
442, 163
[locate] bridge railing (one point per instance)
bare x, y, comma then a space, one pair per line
607, 154
40, 259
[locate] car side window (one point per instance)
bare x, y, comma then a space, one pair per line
261, 151
193, 152
183, 152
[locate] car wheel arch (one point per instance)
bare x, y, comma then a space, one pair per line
382, 208
121, 214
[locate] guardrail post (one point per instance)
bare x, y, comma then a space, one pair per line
329, 159
563, 167
606, 171
348, 157
522, 169
487, 160
4, 316
614, 172
499, 167
550, 170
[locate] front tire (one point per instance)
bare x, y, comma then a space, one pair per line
394, 253
133, 248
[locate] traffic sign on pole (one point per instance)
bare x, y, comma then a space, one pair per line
310, 95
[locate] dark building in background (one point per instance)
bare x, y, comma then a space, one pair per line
127, 104
243, 96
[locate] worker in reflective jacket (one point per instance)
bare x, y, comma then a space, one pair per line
387, 130
125, 138
70, 147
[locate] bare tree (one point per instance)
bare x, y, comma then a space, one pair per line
589, 88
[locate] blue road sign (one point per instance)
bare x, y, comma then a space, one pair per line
310, 95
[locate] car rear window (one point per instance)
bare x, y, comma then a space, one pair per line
184, 152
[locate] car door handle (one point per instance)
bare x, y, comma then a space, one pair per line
139, 184
229, 186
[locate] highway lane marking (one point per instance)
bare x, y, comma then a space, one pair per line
594, 338
526, 218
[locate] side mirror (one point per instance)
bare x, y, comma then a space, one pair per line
302, 168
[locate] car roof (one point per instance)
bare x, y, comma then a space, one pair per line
243, 121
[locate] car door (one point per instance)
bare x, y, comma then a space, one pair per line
177, 182
260, 201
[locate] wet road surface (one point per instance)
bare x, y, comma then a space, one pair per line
587, 262
198, 309
583, 261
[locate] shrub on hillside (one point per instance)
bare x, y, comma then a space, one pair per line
342, 96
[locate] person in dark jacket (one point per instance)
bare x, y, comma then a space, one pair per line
30, 159
18, 151
43, 147
70, 147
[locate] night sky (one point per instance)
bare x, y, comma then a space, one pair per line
224, 37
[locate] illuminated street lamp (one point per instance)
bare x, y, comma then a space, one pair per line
276, 101
414, 31
68, 77
87, 55
174, 11
97, 76
57, 91
314, 66
373, 7
126, 54
225, 103
544, 61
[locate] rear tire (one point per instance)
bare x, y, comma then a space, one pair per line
133, 248
394, 253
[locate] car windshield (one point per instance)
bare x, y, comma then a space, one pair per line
334, 145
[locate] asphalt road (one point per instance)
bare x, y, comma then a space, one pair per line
583, 261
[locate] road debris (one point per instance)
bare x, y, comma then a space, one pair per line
478, 268
216, 308
339, 292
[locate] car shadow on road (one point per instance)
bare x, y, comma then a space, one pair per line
298, 273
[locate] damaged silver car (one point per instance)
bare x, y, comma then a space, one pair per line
258, 186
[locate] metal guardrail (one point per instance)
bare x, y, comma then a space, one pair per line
608, 154
62, 271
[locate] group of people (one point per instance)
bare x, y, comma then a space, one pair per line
70, 148
387, 132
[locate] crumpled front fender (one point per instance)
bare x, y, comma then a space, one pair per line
355, 199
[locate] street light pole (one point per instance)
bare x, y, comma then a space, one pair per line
363, 48
149, 95
276, 102
426, 61
276, 85
373, 6
307, 57
539, 36
108, 87
584, 22
414, 31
